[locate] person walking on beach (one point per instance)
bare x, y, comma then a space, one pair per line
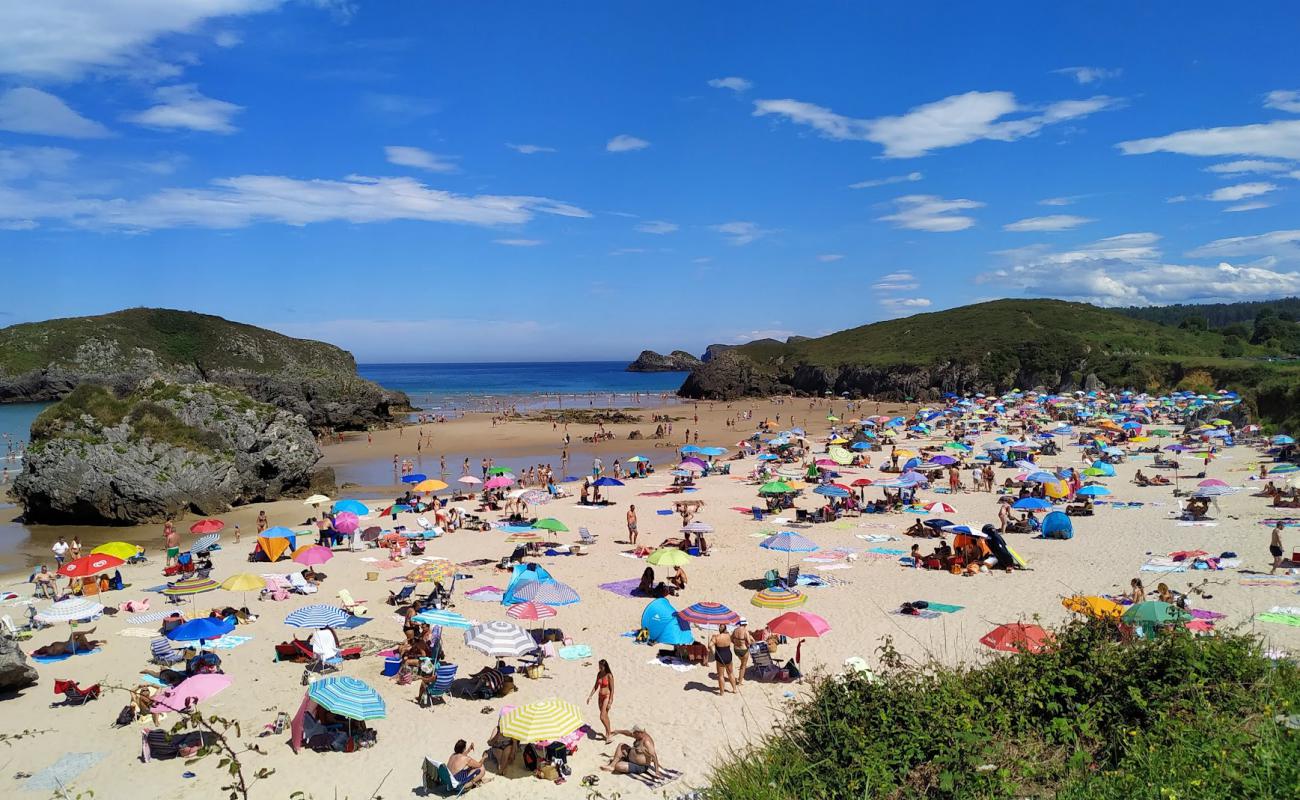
1275, 546
74, 549
722, 645
605, 700
262, 523
60, 550
631, 524
741, 639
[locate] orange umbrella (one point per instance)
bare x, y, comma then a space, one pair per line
1017, 637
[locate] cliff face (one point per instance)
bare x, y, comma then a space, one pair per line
676, 361
98, 457
46, 360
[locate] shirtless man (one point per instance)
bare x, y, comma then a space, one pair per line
1275, 547
637, 758
631, 524
467, 770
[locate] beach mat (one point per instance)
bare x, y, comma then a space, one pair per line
656, 781
64, 657
1280, 619
625, 588
486, 594
478, 562
886, 551
58, 775
923, 614
943, 608
228, 642
1270, 580
152, 616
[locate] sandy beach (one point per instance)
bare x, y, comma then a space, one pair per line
691, 725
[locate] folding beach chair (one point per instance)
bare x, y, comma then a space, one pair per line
585, 537
436, 777
74, 695
163, 652
436, 689
760, 658
356, 608
395, 599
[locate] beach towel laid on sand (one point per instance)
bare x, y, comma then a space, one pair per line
152, 616
1270, 580
138, 633
486, 594
1163, 564
656, 781
1280, 619
58, 775
574, 652
923, 614
943, 608
625, 588
228, 642
888, 552
673, 663
64, 657
478, 562
876, 538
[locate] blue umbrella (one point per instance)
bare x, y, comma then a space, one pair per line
1092, 491
1105, 469
830, 491
355, 506
318, 615
690, 448
278, 532
1042, 476
768, 457
788, 542
1031, 504
347, 697
860, 446
201, 629
607, 481
415, 478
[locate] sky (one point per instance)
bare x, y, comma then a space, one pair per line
437, 181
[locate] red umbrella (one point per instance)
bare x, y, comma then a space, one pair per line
1017, 636
530, 610
862, 482
207, 526
90, 565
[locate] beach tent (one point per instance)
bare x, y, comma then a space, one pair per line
524, 573
1057, 525
663, 624
268, 549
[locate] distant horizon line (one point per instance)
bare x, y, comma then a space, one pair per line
368, 363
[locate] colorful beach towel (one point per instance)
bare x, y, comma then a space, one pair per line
486, 594
625, 588
152, 616
922, 614
229, 642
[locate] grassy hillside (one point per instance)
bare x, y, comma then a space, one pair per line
175, 338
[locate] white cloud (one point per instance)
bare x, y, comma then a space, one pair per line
1282, 246
827, 258
910, 177
18, 225
43, 162
1178, 198
227, 39
1241, 191
734, 84
952, 121
182, 106
627, 251
899, 303
624, 143
1129, 270
519, 242
1284, 100
1086, 75
1052, 222
1280, 139
780, 334
63, 39
28, 110
925, 212
896, 282
1248, 166
530, 149
246, 200
657, 226
1254, 205
418, 158
1058, 201
740, 233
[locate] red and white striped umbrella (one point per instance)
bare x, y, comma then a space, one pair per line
530, 610
940, 508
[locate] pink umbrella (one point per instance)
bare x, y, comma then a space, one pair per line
346, 522
824, 462
190, 690
690, 466
1212, 482
530, 610
468, 480
799, 625
499, 482
312, 555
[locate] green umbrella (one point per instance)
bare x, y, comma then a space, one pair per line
501, 471
775, 487
1160, 432
1153, 612
550, 524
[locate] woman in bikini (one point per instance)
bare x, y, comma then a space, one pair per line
741, 639
722, 654
605, 699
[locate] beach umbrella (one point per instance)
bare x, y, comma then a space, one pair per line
1283, 469
531, 611
191, 690
860, 482
202, 629
73, 609
499, 482
541, 721
317, 615
205, 543
669, 557
707, 613
278, 532
346, 522
92, 564
552, 593
607, 481
940, 508
1016, 637
690, 466
697, 527
1092, 491
799, 625
1031, 504
1282, 439
122, 550
244, 582
830, 490
964, 529
1152, 613
500, 639
443, 618
439, 569
550, 524
207, 526
347, 697
778, 598
414, 477
500, 471
355, 506
533, 497
1211, 482
468, 480
312, 555
315, 500
788, 542
188, 587
430, 485
775, 487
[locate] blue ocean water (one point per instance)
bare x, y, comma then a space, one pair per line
16, 423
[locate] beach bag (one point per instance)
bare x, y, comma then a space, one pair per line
125, 717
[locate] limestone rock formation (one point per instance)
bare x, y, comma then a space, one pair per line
15, 672
676, 361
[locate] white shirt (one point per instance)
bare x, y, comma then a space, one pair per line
60, 549
322, 644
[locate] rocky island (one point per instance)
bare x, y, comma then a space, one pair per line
676, 361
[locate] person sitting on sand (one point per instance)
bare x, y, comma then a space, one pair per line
919, 528
1140, 479
1136, 593
678, 578
79, 642
466, 769
648, 588
638, 758
501, 749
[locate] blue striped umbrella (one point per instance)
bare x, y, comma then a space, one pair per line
447, 619
318, 615
788, 542
205, 543
552, 593
828, 490
347, 697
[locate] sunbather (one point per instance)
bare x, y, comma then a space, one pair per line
638, 758
465, 768
79, 642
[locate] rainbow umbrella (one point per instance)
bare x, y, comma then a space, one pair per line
187, 587
439, 569
707, 613
778, 598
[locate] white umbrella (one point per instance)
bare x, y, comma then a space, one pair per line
500, 638
71, 610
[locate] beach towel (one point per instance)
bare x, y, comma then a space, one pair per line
922, 614
574, 652
1291, 611
656, 781
152, 616
674, 663
664, 512
625, 588
228, 642
1198, 524
154, 681
61, 773
478, 562
837, 565
1280, 619
1163, 564
1270, 580
876, 538
943, 608
64, 657
138, 633
886, 551
1200, 613
370, 645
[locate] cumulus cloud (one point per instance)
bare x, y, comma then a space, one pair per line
182, 106
657, 226
1241, 191
1130, 270
896, 282
926, 212
1051, 222
246, 200
42, 162
910, 177
827, 258
952, 121
901, 303
1086, 75
418, 158
518, 242
28, 110
624, 143
740, 233
1248, 166
734, 84
1280, 139
1284, 100
530, 149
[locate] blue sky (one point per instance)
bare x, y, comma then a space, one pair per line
514, 181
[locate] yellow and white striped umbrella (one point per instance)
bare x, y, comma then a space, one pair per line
544, 720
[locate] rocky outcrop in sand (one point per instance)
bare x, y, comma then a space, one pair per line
15, 672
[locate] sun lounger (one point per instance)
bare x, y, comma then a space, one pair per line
397, 598
164, 653
356, 608
74, 695
299, 585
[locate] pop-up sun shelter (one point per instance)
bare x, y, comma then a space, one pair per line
1057, 525
524, 573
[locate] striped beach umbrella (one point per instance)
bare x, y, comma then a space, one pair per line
347, 697
205, 543
669, 557
71, 610
778, 598
317, 615
707, 613
191, 586
552, 593
788, 542
531, 610
540, 721
697, 527
940, 508
443, 618
499, 638
439, 569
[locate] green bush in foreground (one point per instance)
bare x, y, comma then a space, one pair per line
1174, 718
